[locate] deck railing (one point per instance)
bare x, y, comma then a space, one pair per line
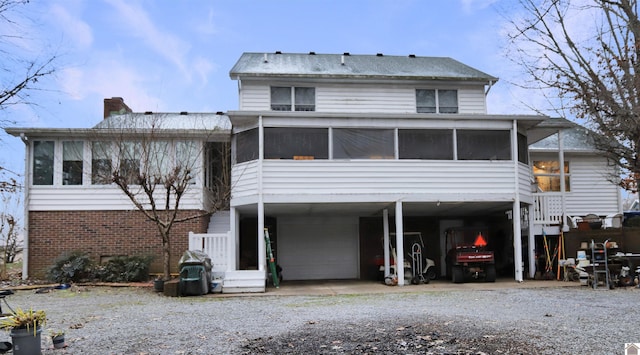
216, 246
547, 208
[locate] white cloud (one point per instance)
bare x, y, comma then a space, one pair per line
203, 68
74, 28
169, 46
469, 6
109, 77
207, 28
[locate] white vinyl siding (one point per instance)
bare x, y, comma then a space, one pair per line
365, 98
243, 179
591, 191
472, 101
355, 98
525, 177
377, 180
95, 198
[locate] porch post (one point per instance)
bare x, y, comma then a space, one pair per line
399, 244
233, 252
262, 253
385, 225
517, 228
517, 241
532, 245
563, 187
262, 250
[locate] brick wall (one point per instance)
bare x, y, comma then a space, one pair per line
102, 234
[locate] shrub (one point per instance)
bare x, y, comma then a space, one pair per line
124, 269
73, 267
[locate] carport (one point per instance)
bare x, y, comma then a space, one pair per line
337, 241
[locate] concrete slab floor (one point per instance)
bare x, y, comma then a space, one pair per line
346, 287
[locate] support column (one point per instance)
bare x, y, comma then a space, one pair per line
399, 244
517, 241
532, 245
517, 228
262, 251
233, 248
563, 187
385, 225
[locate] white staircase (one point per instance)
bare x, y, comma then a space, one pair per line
216, 243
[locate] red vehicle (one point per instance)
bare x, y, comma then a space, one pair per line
467, 256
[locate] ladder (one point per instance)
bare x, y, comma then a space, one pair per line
271, 260
598, 269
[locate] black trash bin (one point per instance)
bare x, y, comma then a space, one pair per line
195, 273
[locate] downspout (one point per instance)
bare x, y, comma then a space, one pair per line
26, 202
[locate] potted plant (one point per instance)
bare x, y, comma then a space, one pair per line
25, 328
57, 338
158, 284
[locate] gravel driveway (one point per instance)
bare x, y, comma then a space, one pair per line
562, 320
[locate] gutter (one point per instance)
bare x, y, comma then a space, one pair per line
26, 201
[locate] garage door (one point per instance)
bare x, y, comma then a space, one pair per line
315, 248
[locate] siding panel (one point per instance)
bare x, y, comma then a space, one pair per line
591, 191
455, 179
354, 98
109, 198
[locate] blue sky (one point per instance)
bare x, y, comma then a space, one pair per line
175, 56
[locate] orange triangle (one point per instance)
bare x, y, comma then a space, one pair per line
480, 242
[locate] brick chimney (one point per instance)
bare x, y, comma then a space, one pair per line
115, 105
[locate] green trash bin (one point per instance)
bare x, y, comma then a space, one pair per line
193, 281
195, 273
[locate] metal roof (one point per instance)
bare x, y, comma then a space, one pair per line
165, 125
574, 137
167, 121
355, 66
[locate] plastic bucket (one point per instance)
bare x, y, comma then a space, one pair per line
25, 342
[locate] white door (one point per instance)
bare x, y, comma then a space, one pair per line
317, 248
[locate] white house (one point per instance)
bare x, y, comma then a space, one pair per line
338, 156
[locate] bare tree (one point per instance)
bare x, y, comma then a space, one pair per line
20, 70
584, 55
157, 170
10, 242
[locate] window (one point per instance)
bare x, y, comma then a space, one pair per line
358, 143
285, 98
72, 162
296, 143
547, 175
43, 162
523, 149
247, 146
158, 160
483, 145
129, 161
436, 101
187, 154
101, 166
425, 144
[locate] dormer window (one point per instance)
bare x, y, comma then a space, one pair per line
436, 101
284, 98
